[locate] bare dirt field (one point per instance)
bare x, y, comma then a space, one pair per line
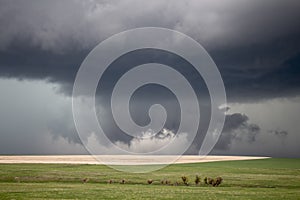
119, 159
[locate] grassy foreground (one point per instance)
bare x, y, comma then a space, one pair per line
253, 179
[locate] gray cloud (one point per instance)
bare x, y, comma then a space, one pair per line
29, 111
41, 123
281, 135
237, 127
62, 126
54, 25
255, 44
241, 137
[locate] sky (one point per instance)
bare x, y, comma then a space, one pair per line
255, 45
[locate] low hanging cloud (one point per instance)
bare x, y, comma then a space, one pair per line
282, 135
166, 141
241, 137
237, 128
149, 142
49, 129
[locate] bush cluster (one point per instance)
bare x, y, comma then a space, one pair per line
214, 182
185, 181
207, 180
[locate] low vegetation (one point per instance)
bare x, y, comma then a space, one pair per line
197, 180
150, 181
253, 179
185, 180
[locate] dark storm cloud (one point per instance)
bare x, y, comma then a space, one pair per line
33, 63
255, 44
261, 71
237, 127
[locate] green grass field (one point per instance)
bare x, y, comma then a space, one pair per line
254, 179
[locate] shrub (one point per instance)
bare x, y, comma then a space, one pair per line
197, 180
122, 181
185, 180
85, 180
214, 182
210, 181
165, 182
150, 181
217, 181
110, 181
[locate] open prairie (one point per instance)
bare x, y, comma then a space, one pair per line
270, 178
